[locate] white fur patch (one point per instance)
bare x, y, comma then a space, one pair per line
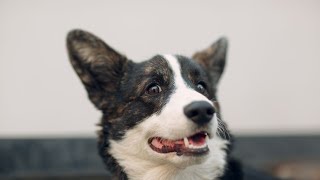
139, 161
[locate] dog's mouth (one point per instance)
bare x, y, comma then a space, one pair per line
189, 146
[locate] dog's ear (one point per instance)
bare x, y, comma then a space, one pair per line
213, 59
99, 67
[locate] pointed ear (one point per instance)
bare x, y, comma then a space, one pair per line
213, 59
99, 67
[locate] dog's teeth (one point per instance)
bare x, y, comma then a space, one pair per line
204, 145
207, 138
186, 141
197, 147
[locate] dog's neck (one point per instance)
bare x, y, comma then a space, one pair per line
136, 168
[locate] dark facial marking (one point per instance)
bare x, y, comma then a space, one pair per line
134, 101
195, 76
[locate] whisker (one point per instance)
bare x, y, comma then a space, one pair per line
222, 130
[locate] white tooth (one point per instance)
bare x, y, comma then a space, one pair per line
186, 142
207, 138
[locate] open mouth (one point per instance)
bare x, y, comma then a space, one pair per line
190, 146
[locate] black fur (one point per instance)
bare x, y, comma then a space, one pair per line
193, 73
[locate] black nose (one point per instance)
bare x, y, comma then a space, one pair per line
200, 112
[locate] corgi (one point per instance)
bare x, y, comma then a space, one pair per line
160, 117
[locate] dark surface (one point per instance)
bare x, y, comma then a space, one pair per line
265, 152
78, 158
49, 157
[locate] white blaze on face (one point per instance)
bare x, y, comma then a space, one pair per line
172, 114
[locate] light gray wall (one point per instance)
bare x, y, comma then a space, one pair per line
271, 84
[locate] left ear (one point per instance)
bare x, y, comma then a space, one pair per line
99, 67
213, 59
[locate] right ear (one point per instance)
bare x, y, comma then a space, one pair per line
99, 67
213, 59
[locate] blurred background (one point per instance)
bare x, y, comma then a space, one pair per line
269, 93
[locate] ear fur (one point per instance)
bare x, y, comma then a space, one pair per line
99, 67
213, 59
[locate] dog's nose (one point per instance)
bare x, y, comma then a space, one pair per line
200, 112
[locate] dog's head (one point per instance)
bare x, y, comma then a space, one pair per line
162, 110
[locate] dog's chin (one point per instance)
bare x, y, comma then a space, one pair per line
184, 161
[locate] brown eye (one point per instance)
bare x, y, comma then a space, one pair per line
201, 87
153, 89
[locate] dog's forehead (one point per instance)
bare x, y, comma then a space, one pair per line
163, 64
190, 66
156, 65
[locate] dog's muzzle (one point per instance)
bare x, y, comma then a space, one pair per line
201, 113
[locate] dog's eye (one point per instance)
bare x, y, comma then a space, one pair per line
201, 86
153, 88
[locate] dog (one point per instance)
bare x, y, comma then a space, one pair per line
160, 118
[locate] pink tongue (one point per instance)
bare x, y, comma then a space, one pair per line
197, 140
156, 143
159, 143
